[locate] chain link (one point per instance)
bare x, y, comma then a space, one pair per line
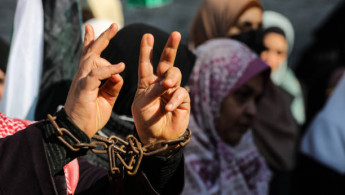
128, 152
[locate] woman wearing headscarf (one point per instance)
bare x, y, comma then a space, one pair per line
278, 41
275, 130
223, 18
227, 81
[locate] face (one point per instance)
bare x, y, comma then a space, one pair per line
238, 111
276, 50
2, 82
251, 19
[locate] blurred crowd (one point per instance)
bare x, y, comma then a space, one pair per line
258, 126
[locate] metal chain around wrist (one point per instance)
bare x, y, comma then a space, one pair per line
128, 152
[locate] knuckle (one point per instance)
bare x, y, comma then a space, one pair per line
93, 73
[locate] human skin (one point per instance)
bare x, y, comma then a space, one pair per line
251, 19
161, 106
238, 111
276, 50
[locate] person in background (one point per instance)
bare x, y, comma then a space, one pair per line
226, 84
102, 13
223, 18
278, 40
4, 49
104, 10
275, 131
321, 169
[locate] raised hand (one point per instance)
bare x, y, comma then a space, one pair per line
89, 105
161, 106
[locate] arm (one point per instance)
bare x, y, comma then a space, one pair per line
88, 108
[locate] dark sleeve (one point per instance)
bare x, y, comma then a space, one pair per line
24, 168
158, 175
31, 158
165, 174
58, 154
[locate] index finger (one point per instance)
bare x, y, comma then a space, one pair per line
145, 70
103, 40
169, 53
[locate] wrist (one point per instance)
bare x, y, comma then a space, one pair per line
64, 121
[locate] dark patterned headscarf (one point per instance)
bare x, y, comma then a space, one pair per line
214, 167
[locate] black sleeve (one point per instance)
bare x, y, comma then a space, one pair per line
158, 175
165, 174
24, 166
57, 153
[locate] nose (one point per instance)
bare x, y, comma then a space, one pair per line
270, 58
251, 108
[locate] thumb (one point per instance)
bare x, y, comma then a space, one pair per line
111, 89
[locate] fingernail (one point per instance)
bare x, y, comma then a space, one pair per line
149, 39
121, 64
169, 106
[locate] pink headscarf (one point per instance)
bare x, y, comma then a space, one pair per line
213, 166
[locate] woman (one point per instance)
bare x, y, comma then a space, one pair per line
224, 18
278, 40
226, 83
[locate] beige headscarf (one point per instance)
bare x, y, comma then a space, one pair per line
215, 17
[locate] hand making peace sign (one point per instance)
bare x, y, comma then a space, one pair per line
161, 106
89, 105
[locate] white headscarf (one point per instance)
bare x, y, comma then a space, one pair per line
275, 19
284, 76
324, 140
24, 66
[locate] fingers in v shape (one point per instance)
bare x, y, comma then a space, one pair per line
146, 75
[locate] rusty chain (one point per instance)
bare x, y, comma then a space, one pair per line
128, 152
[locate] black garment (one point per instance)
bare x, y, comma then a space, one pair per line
62, 50
4, 50
125, 47
312, 177
32, 161
276, 134
253, 39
